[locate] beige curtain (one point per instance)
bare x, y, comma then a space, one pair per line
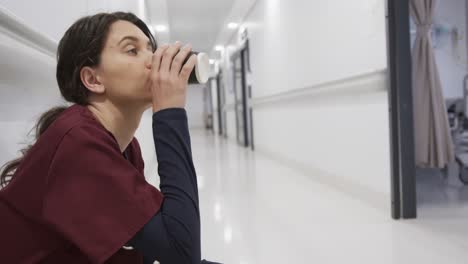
433, 142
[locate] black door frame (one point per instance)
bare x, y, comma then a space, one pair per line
210, 86
244, 97
249, 93
234, 57
403, 180
246, 93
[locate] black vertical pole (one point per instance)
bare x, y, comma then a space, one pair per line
252, 142
210, 97
244, 98
236, 94
392, 99
218, 94
249, 96
403, 180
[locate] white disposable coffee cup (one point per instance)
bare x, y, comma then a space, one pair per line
201, 71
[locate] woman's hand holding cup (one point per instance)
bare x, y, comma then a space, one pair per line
169, 75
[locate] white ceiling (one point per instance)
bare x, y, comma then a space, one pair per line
200, 22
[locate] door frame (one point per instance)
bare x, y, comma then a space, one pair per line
210, 86
403, 168
243, 53
244, 98
233, 59
240, 55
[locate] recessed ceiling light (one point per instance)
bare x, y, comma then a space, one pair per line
160, 28
233, 25
219, 48
212, 61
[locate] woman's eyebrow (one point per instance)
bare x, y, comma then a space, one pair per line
134, 39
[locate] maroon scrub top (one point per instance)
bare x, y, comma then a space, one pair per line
75, 198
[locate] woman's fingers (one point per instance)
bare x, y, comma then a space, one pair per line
157, 56
179, 60
188, 68
169, 80
168, 56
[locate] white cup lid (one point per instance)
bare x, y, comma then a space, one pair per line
202, 67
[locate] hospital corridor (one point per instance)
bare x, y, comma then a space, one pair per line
285, 216
234, 131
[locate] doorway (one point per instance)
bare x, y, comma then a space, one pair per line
427, 101
242, 96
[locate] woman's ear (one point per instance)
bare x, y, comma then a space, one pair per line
90, 79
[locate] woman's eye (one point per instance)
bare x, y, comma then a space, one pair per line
134, 51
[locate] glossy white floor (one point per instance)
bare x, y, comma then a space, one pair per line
256, 211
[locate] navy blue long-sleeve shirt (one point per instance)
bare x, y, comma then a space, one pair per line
173, 234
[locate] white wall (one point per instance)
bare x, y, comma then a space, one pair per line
319, 87
195, 106
304, 43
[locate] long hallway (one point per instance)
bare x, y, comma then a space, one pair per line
255, 210
324, 91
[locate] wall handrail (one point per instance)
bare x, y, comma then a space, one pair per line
16, 28
295, 93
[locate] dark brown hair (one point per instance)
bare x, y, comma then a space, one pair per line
80, 46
